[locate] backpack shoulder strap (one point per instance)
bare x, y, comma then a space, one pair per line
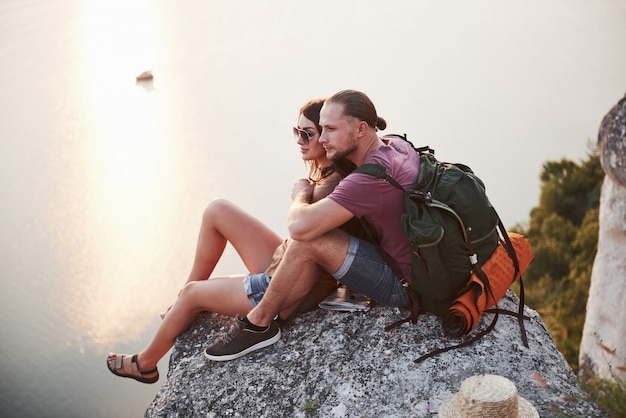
377, 170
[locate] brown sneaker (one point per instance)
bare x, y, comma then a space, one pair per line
241, 340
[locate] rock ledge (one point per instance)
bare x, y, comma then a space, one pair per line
331, 364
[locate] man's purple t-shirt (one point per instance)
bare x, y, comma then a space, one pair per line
379, 202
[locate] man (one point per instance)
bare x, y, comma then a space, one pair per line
349, 129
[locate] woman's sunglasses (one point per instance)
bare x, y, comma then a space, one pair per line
302, 134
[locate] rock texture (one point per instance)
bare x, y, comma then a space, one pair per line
335, 364
603, 345
612, 143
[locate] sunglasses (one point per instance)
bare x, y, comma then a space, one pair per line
302, 134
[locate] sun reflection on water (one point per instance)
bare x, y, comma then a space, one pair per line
112, 209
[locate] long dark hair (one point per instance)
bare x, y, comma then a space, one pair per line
311, 111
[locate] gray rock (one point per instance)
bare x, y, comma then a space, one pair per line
603, 341
334, 364
612, 143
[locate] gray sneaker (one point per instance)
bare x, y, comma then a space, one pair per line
241, 340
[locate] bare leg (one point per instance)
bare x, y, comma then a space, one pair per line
223, 295
297, 273
224, 222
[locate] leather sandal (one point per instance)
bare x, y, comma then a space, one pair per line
115, 364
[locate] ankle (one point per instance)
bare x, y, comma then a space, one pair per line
257, 318
144, 363
252, 326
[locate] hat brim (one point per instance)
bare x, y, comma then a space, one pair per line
450, 409
448, 406
525, 409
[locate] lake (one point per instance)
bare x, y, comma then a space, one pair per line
104, 180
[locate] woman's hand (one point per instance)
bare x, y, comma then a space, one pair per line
302, 191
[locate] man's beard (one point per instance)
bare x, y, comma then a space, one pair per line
350, 148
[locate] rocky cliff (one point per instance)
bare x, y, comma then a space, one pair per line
603, 345
335, 364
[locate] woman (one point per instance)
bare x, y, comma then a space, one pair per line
224, 222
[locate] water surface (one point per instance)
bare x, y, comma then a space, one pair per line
103, 180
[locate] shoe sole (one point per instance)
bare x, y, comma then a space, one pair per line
257, 346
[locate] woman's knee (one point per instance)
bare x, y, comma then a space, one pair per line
217, 207
219, 214
189, 294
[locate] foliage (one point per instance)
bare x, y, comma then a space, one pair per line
563, 231
609, 395
310, 406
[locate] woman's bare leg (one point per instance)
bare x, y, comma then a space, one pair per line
222, 295
224, 222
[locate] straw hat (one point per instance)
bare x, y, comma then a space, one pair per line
487, 396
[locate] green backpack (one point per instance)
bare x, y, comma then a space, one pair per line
451, 227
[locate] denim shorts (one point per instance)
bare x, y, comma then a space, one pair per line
256, 285
365, 271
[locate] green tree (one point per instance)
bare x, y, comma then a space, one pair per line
563, 231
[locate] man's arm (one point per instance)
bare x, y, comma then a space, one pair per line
306, 221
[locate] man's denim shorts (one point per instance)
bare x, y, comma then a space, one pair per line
365, 271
